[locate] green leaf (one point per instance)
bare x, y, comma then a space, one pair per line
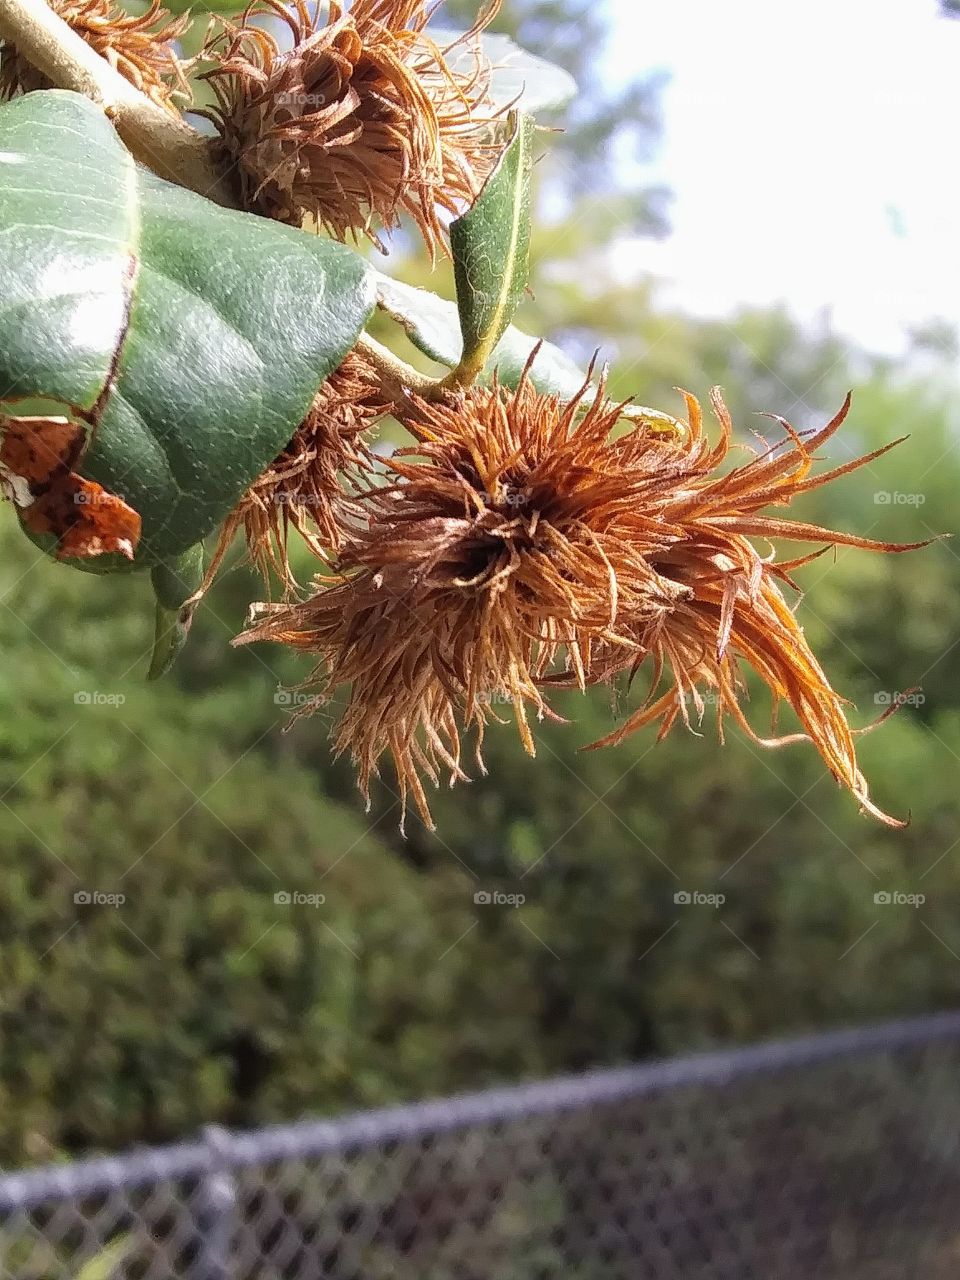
190, 338
491, 251
519, 78
104, 1264
430, 323
173, 585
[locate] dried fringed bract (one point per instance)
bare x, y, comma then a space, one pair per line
361, 121
525, 546
506, 542
311, 487
728, 607
140, 48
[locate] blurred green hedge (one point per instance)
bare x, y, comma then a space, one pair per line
200, 998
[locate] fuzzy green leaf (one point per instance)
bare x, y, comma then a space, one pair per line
491, 251
190, 338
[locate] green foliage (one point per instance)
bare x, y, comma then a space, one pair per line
200, 996
490, 244
151, 309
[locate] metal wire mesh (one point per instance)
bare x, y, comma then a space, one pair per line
832, 1156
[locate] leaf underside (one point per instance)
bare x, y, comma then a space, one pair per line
430, 322
519, 78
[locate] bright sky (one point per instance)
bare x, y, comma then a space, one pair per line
812, 149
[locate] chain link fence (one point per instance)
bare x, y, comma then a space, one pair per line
833, 1156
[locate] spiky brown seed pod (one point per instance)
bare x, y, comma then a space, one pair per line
311, 487
504, 545
360, 122
524, 546
140, 48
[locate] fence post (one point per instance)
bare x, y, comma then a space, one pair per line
216, 1210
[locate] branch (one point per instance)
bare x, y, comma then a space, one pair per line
161, 141
398, 377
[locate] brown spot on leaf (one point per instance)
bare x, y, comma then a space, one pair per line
37, 460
